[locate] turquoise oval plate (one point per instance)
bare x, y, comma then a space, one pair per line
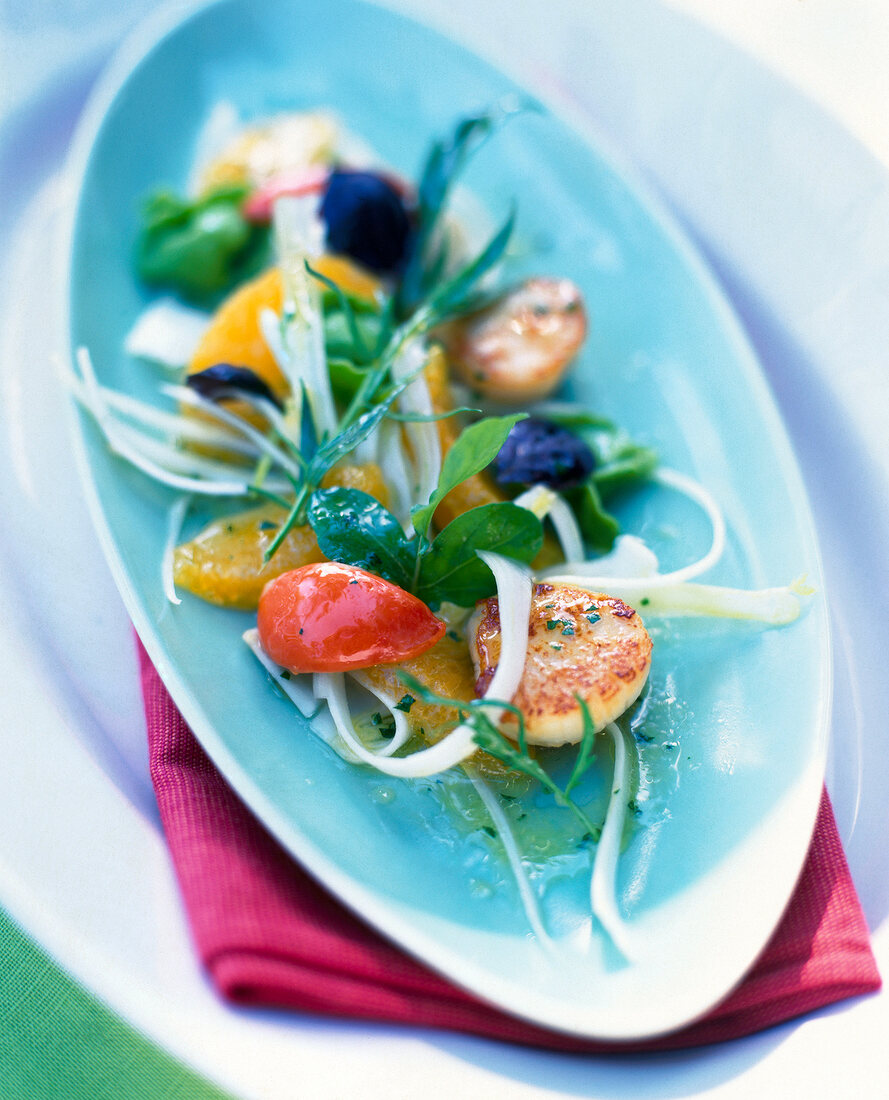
732, 753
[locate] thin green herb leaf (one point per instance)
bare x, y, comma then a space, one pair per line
331, 452
489, 738
360, 346
265, 494
308, 436
429, 418
454, 296
585, 752
599, 527
444, 162
387, 327
293, 519
575, 418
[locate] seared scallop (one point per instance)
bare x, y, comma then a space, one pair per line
518, 348
579, 644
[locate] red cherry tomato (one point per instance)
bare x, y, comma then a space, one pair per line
330, 617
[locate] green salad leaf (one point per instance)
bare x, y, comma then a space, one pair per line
450, 568
475, 448
353, 527
598, 527
199, 247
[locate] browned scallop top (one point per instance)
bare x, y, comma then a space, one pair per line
591, 645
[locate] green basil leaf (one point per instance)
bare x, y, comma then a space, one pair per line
475, 448
621, 463
450, 568
354, 528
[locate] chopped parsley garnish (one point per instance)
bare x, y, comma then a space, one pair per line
385, 727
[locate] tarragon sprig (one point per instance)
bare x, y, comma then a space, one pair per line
515, 754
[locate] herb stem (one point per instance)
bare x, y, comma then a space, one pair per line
291, 521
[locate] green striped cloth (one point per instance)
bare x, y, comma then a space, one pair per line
57, 1042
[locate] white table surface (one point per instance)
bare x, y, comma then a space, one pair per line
764, 126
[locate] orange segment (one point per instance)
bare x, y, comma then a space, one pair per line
234, 335
224, 563
446, 669
368, 477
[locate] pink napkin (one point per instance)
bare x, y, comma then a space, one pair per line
269, 935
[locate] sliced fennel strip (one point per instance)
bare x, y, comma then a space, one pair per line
772, 606
298, 692
513, 855
673, 479
188, 397
298, 238
167, 333
402, 725
174, 427
439, 757
681, 483
603, 884
543, 502
175, 523
514, 591
422, 436
116, 436
393, 466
